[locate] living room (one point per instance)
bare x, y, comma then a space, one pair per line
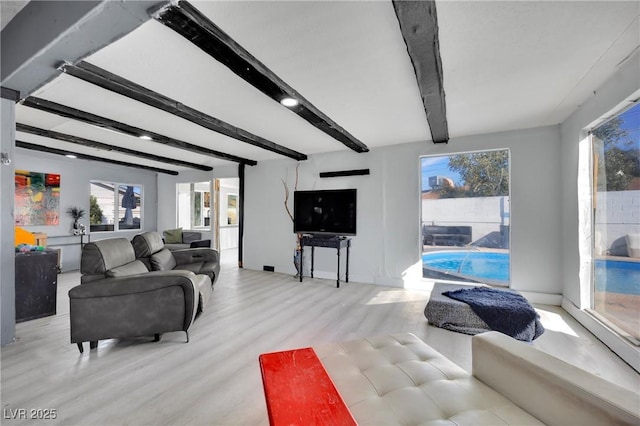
385, 265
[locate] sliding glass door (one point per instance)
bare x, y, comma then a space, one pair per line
615, 293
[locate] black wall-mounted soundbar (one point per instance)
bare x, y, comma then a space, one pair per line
359, 172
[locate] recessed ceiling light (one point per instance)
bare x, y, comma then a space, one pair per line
146, 137
289, 102
71, 156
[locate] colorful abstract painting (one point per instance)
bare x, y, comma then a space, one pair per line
37, 199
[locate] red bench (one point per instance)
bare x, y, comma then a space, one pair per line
298, 390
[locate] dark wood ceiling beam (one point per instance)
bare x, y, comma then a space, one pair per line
106, 147
109, 81
10, 94
187, 21
41, 148
95, 120
419, 26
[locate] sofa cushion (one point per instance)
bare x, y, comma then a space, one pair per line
399, 379
100, 256
173, 236
163, 261
132, 268
146, 244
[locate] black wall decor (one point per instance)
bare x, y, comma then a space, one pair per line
358, 172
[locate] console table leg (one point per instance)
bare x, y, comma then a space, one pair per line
313, 255
347, 273
338, 274
301, 260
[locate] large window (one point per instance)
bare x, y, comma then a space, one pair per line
194, 205
114, 206
615, 290
465, 217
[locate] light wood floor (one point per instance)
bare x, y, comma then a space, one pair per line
215, 379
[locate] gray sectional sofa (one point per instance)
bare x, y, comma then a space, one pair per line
131, 293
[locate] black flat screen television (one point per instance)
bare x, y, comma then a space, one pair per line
325, 212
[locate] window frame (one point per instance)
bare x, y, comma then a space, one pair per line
508, 213
117, 209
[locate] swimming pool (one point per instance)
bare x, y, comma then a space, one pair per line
613, 276
467, 264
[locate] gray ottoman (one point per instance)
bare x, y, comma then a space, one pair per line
505, 309
450, 314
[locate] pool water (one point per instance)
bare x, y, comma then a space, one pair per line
475, 265
612, 276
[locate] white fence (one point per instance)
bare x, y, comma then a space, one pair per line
617, 214
484, 214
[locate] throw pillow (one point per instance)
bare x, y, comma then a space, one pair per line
173, 236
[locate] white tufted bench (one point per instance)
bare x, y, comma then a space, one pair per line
400, 380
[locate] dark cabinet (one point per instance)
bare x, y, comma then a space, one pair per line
36, 284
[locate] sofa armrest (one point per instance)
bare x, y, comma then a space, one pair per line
548, 388
193, 255
200, 243
135, 305
190, 236
132, 284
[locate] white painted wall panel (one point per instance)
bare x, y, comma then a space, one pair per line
387, 249
75, 176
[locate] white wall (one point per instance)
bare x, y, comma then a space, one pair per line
74, 191
386, 249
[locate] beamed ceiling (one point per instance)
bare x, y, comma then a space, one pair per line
203, 79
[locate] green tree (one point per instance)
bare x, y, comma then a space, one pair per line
95, 212
484, 174
617, 160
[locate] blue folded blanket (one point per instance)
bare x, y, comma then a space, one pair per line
504, 311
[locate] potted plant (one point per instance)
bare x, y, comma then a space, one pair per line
76, 214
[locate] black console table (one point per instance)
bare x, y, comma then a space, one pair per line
333, 242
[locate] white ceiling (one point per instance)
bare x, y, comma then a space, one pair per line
506, 65
9, 9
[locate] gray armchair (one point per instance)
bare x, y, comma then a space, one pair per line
118, 297
150, 249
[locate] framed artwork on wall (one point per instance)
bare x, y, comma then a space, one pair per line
37, 198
